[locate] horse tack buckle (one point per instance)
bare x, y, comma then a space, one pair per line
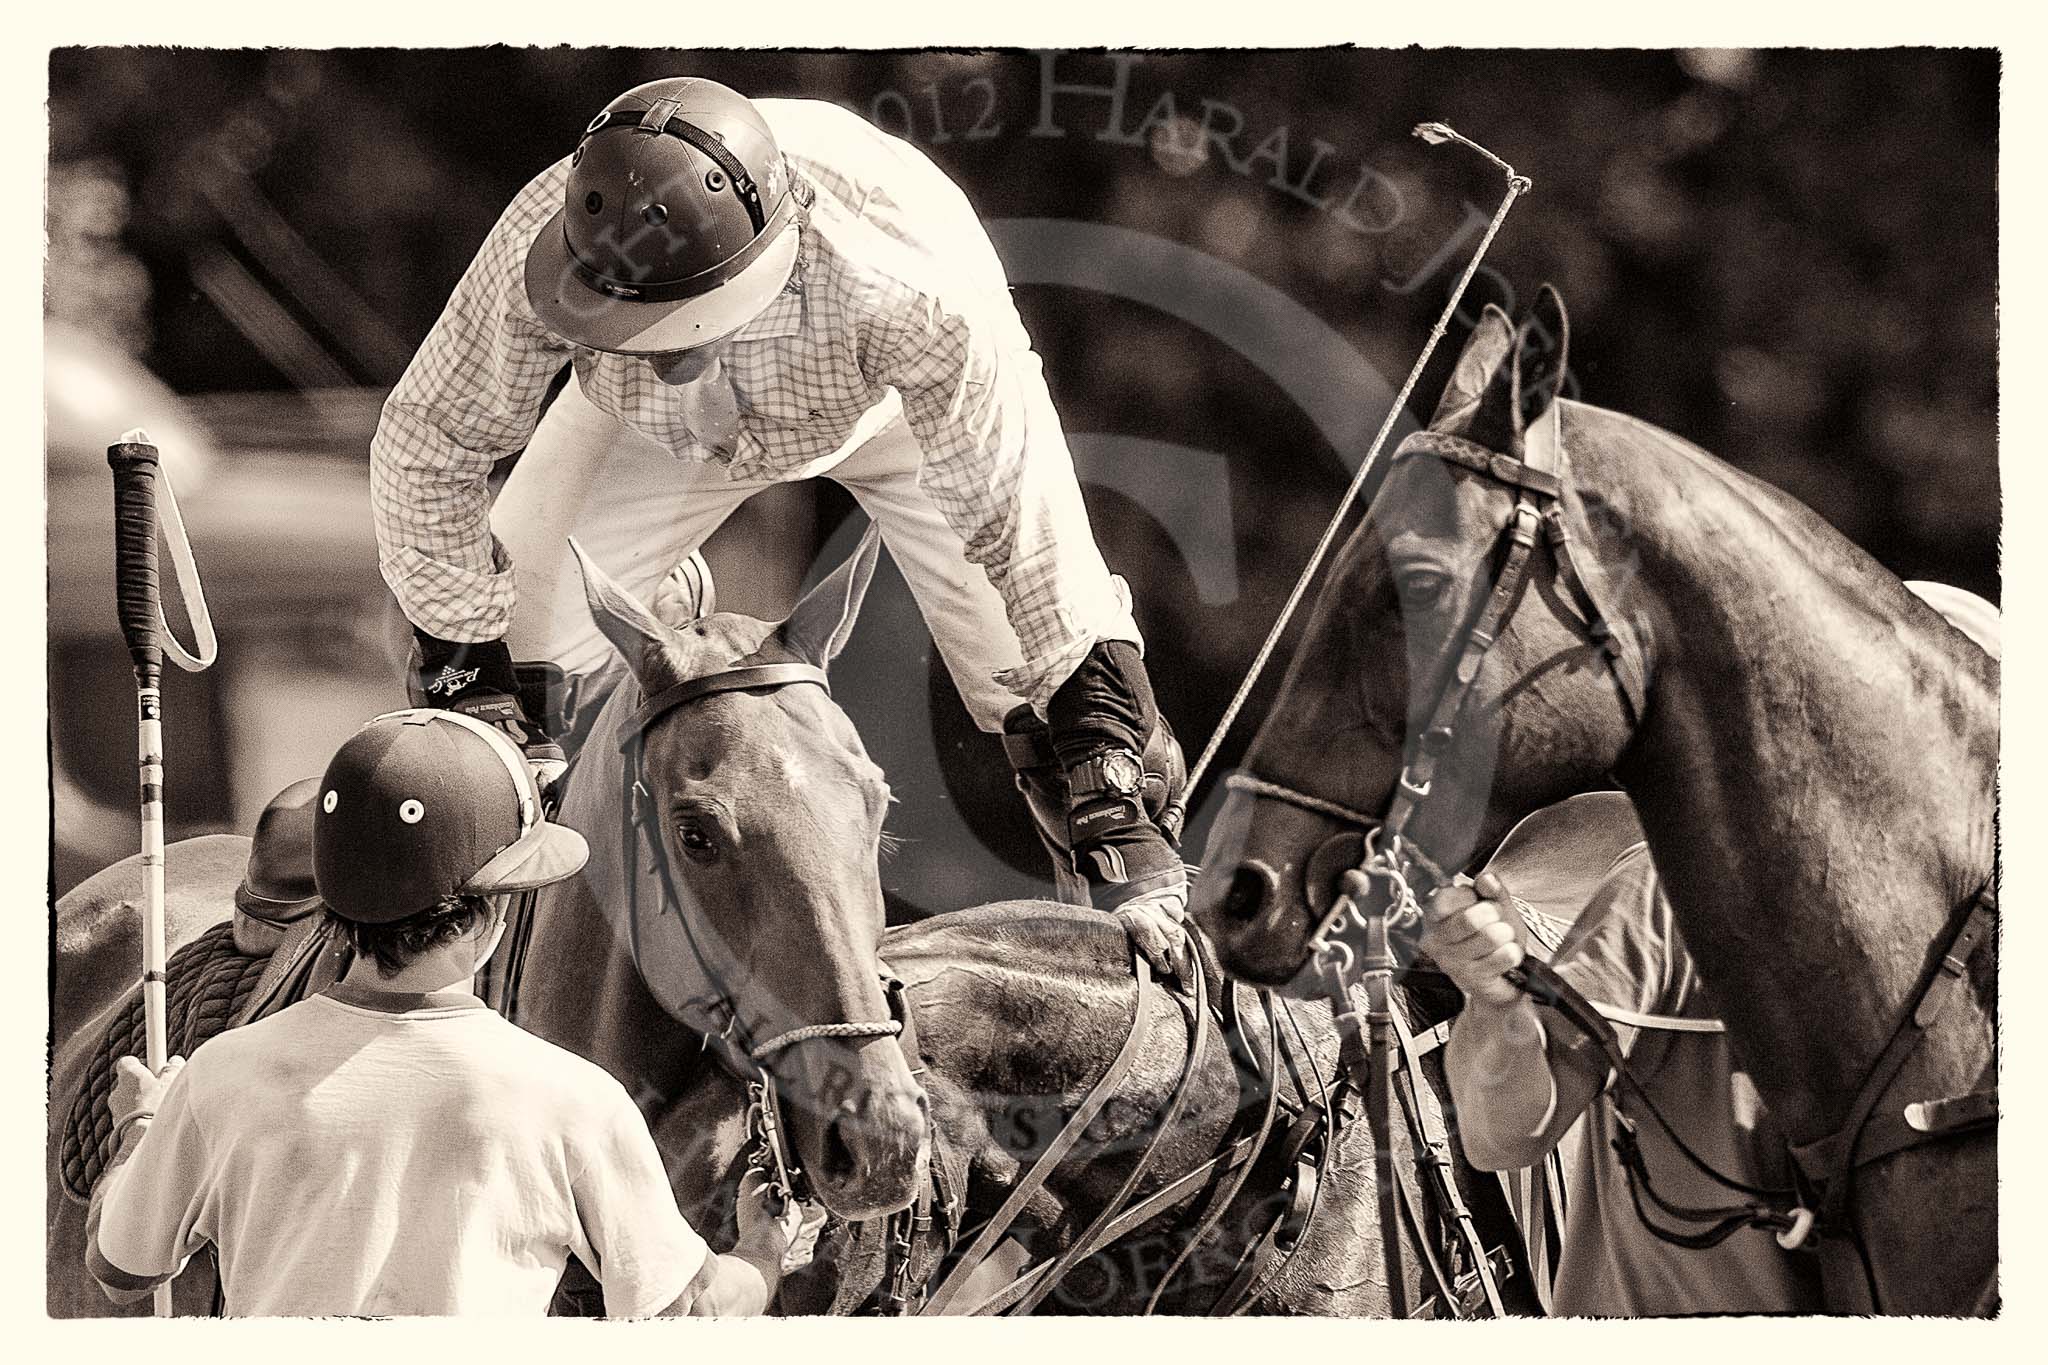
764, 1129
1385, 864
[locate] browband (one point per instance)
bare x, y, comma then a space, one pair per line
742, 679
1470, 454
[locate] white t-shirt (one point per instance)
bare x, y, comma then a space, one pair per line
439, 1161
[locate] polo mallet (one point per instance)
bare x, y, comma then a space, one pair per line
1372, 1035
1518, 185
135, 464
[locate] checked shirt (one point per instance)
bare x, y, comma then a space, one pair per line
896, 287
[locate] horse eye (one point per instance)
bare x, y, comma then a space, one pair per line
1421, 588
697, 845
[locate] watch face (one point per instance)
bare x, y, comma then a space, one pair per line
1121, 772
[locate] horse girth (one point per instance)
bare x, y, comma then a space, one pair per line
1867, 1136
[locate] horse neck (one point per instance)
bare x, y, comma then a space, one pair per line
1816, 768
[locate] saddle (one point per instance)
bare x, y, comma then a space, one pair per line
277, 949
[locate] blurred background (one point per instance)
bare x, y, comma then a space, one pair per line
1228, 260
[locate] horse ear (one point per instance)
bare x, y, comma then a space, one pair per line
819, 626
1541, 348
1484, 352
641, 636
1496, 422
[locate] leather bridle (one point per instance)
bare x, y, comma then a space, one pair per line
1819, 1204
717, 1017
1390, 854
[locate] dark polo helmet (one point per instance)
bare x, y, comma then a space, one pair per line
677, 227
421, 804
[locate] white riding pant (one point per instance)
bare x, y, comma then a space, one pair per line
637, 509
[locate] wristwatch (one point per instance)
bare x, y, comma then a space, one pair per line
1115, 772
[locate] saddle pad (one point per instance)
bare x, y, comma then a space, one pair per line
209, 984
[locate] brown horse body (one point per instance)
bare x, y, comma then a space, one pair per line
1814, 763
97, 939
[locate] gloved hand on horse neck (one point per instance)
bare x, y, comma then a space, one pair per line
1123, 812
478, 680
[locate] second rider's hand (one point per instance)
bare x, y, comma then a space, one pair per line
1474, 941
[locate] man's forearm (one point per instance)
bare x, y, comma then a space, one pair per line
120, 1287
1500, 1077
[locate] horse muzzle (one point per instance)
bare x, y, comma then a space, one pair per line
865, 1143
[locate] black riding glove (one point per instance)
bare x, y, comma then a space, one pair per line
1102, 720
478, 680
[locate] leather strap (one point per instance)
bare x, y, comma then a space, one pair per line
1238, 1155
743, 678
1422, 1233
1433, 1141
1226, 1191
1030, 749
1544, 985
1198, 1039
1471, 455
661, 118
1419, 775
985, 1242
1829, 1161
1661, 1023
1895, 1130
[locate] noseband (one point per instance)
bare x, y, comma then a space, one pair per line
723, 1031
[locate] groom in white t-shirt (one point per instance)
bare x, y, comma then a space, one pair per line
394, 1147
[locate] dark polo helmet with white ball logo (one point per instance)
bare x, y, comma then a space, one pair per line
677, 226
420, 805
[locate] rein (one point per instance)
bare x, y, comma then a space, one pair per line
724, 1032
1389, 854
1299, 1154
753, 1063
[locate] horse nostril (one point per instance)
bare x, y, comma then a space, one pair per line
1250, 889
839, 1159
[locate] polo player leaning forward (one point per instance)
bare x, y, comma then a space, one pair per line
751, 295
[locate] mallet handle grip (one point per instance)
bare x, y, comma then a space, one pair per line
136, 590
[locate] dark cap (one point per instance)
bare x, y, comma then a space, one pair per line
419, 805
278, 887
